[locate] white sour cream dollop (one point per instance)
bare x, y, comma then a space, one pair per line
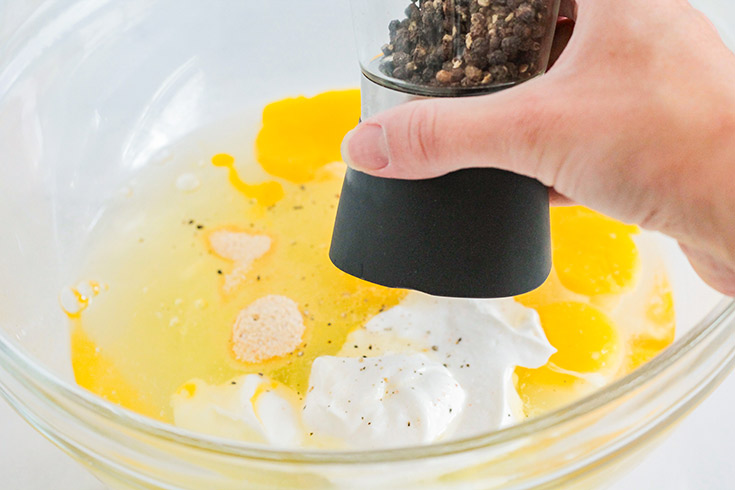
426, 370
380, 402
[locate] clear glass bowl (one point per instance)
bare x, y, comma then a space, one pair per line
92, 93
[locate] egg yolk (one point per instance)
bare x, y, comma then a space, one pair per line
545, 389
587, 343
593, 254
596, 277
300, 135
585, 338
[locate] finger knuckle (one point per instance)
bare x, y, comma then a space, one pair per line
421, 141
529, 131
530, 122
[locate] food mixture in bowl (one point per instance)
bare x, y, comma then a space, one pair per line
208, 301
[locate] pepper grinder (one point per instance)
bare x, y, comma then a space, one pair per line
473, 233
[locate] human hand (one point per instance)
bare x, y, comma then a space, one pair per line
636, 119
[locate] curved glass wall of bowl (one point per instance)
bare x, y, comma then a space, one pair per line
453, 47
76, 114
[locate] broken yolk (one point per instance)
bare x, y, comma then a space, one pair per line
593, 254
301, 135
97, 372
266, 193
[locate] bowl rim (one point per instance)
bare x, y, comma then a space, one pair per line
22, 362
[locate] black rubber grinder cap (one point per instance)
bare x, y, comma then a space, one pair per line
474, 233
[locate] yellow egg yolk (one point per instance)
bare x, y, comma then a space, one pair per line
596, 276
593, 254
300, 135
587, 343
585, 338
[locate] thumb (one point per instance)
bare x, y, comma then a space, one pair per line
429, 138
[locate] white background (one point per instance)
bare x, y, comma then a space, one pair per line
698, 455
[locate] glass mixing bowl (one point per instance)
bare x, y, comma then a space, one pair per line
91, 93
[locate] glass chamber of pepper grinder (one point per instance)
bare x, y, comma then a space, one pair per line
473, 233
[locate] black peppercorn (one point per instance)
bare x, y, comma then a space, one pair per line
473, 73
526, 13
511, 45
393, 27
497, 57
466, 42
444, 77
401, 59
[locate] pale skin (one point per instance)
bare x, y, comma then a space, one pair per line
636, 119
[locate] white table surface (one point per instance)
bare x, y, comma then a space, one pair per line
697, 455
